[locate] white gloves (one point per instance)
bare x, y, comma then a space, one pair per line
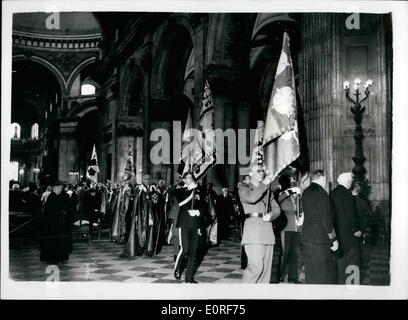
267, 217
142, 187
299, 222
358, 234
335, 246
194, 213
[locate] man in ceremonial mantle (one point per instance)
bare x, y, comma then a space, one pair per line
258, 236
347, 226
290, 235
318, 234
121, 208
55, 246
145, 236
189, 222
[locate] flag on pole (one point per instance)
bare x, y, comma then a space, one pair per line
258, 152
204, 154
186, 146
129, 168
93, 168
281, 138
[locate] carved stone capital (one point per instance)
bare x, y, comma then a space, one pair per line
130, 126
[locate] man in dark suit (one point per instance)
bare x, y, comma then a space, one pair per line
319, 236
347, 226
225, 209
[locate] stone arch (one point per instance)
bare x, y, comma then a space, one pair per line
51, 67
77, 71
175, 26
265, 46
80, 110
175, 47
225, 30
132, 88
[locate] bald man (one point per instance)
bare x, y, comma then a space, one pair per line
347, 226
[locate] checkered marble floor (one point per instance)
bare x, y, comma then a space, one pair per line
102, 262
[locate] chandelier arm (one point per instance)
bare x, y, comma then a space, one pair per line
350, 99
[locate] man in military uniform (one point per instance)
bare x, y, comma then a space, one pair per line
290, 235
189, 222
258, 237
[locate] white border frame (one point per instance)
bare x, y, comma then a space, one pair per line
398, 288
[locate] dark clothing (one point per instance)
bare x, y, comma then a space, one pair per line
290, 256
363, 212
318, 223
346, 221
188, 249
80, 196
320, 264
69, 210
91, 209
147, 229
318, 235
189, 199
351, 258
34, 204
55, 246
225, 210
17, 201
188, 227
345, 217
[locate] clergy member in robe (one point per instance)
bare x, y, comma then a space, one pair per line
55, 237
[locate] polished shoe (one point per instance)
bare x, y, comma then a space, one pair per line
177, 274
191, 281
295, 281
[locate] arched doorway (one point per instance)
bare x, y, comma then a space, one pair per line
36, 100
87, 130
175, 88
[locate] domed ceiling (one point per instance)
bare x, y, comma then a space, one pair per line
70, 23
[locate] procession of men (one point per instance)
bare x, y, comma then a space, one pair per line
275, 206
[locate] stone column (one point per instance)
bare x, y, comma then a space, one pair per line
68, 152
320, 89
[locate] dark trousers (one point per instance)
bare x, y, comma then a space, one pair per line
350, 258
188, 249
320, 264
290, 255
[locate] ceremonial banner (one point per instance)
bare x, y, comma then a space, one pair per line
203, 156
281, 138
93, 168
129, 169
186, 146
257, 151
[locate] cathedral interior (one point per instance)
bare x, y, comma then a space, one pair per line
110, 78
